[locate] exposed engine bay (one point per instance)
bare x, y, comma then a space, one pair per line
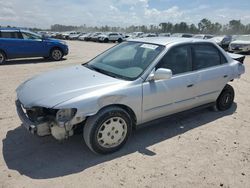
59, 123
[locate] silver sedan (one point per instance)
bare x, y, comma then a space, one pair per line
132, 83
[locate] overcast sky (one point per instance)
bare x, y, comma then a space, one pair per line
43, 13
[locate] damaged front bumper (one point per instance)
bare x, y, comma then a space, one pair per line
48, 121
42, 128
30, 126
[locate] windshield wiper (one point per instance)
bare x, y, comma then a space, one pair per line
105, 72
100, 70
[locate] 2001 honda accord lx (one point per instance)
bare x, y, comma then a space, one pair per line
132, 83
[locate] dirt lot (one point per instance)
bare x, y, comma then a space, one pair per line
194, 149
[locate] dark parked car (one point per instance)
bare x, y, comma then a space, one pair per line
223, 41
17, 43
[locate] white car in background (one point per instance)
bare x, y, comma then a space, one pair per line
67, 34
82, 37
183, 35
164, 34
149, 35
75, 36
111, 37
203, 36
240, 44
135, 35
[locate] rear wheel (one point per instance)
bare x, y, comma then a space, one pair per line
2, 58
108, 130
225, 99
56, 54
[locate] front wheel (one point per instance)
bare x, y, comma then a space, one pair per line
106, 40
225, 99
2, 58
108, 130
119, 40
56, 54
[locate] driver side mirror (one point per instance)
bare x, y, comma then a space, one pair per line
160, 74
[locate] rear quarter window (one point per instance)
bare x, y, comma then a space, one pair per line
13, 35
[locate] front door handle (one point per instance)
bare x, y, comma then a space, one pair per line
225, 76
191, 85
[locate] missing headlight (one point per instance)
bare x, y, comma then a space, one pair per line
64, 115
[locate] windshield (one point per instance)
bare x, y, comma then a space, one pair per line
243, 37
126, 61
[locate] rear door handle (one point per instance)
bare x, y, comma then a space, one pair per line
191, 85
225, 76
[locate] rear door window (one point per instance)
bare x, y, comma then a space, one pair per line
16, 35
5, 34
10, 34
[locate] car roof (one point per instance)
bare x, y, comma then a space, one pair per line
166, 40
13, 30
9, 29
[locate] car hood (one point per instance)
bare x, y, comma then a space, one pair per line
54, 87
240, 42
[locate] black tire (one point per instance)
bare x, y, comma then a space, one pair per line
119, 40
2, 57
95, 125
56, 54
225, 99
106, 40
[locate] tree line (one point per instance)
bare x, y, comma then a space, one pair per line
205, 26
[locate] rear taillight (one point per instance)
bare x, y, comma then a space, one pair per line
241, 68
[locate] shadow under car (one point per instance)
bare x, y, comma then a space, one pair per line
44, 158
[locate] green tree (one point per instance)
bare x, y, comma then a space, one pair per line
235, 26
163, 27
205, 25
193, 29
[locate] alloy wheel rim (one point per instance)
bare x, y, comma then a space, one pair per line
57, 54
112, 132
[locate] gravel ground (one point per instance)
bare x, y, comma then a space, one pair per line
194, 149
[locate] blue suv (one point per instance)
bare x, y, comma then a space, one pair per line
18, 43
